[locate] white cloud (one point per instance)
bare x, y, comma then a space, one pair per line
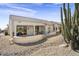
54, 4
3, 27
16, 10
38, 4
20, 8
13, 10
20, 13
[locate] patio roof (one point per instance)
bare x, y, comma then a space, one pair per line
32, 19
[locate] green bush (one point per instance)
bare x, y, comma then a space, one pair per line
6, 33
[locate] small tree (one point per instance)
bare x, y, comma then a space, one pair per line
0, 30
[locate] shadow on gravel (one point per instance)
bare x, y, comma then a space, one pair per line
53, 35
76, 51
38, 42
34, 43
76, 48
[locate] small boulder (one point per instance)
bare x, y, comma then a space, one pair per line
63, 45
11, 41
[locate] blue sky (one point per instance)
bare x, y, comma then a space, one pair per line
46, 11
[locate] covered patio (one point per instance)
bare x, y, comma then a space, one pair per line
29, 30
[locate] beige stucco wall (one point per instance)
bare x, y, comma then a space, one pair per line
14, 21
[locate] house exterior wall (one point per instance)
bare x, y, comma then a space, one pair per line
14, 21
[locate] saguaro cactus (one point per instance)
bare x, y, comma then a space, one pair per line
66, 23
70, 25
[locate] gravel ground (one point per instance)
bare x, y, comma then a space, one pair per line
48, 48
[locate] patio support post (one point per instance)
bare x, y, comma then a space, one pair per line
46, 30
34, 30
10, 30
11, 27
15, 30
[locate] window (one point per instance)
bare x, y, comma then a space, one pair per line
53, 27
21, 30
39, 30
